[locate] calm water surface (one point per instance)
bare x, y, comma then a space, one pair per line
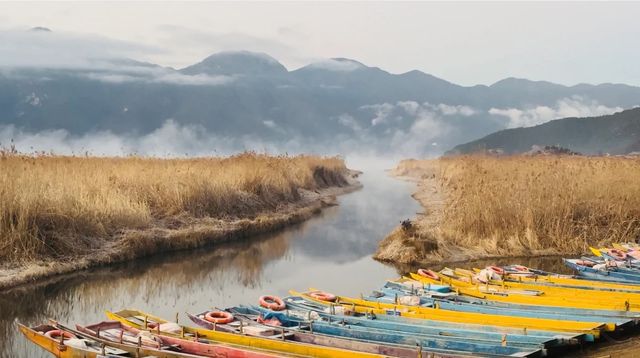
332, 251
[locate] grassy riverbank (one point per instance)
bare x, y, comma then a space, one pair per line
59, 213
479, 206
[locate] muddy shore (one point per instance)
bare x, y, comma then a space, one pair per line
180, 233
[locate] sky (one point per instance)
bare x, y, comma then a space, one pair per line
465, 43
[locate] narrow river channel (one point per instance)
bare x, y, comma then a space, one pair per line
332, 251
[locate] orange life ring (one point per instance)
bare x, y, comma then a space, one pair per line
220, 317
56, 333
521, 268
496, 269
273, 303
428, 274
617, 254
323, 296
585, 263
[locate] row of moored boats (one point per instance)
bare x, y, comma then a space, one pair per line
496, 311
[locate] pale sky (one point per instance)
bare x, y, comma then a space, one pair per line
465, 43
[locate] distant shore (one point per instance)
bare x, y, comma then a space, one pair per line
307, 184
478, 207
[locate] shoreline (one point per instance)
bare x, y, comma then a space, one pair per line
424, 243
196, 233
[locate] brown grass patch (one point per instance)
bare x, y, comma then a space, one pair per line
511, 206
61, 207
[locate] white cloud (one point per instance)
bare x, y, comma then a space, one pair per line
342, 65
194, 80
42, 49
269, 123
381, 112
448, 110
347, 120
158, 75
575, 106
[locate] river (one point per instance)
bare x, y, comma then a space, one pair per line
331, 251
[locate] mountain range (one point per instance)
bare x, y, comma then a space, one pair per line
618, 133
245, 97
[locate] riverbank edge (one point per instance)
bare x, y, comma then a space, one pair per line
401, 247
135, 244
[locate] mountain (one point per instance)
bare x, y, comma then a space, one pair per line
618, 133
250, 99
237, 63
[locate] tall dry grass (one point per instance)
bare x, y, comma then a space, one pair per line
522, 204
55, 206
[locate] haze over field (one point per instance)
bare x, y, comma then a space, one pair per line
186, 81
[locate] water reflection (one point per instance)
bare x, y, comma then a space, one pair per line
331, 251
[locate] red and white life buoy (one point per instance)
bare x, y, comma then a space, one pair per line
219, 317
496, 269
273, 303
617, 254
520, 268
428, 274
585, 263
323, 296
55, 334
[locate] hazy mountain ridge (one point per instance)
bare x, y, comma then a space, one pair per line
618, 133
251, 95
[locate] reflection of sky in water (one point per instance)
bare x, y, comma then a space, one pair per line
331, 251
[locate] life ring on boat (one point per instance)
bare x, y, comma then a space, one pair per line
520, 268
428, 274
585, 263
55, 334
496, 269
323, 296
273, 303
219, 317
617, 254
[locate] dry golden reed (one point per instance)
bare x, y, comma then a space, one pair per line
57, 206
522, 204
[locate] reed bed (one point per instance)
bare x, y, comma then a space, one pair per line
519, 205
57, 206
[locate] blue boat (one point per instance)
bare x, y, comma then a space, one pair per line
546, 338
497, 348
610, 275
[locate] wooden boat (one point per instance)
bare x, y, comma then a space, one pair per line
499, 347
576, 302
247, 323
558, 291
351, 311
75, 344
141, 320
611, 274
116, 332
543, 277
391, 296
301, 309
593, 328
599, 315
66, 349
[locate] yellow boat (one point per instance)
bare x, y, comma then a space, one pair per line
569, 281
139, 319
581, 301
436, 314
559, 291
89, 348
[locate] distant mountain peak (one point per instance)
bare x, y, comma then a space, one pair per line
40, 29
237, 62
